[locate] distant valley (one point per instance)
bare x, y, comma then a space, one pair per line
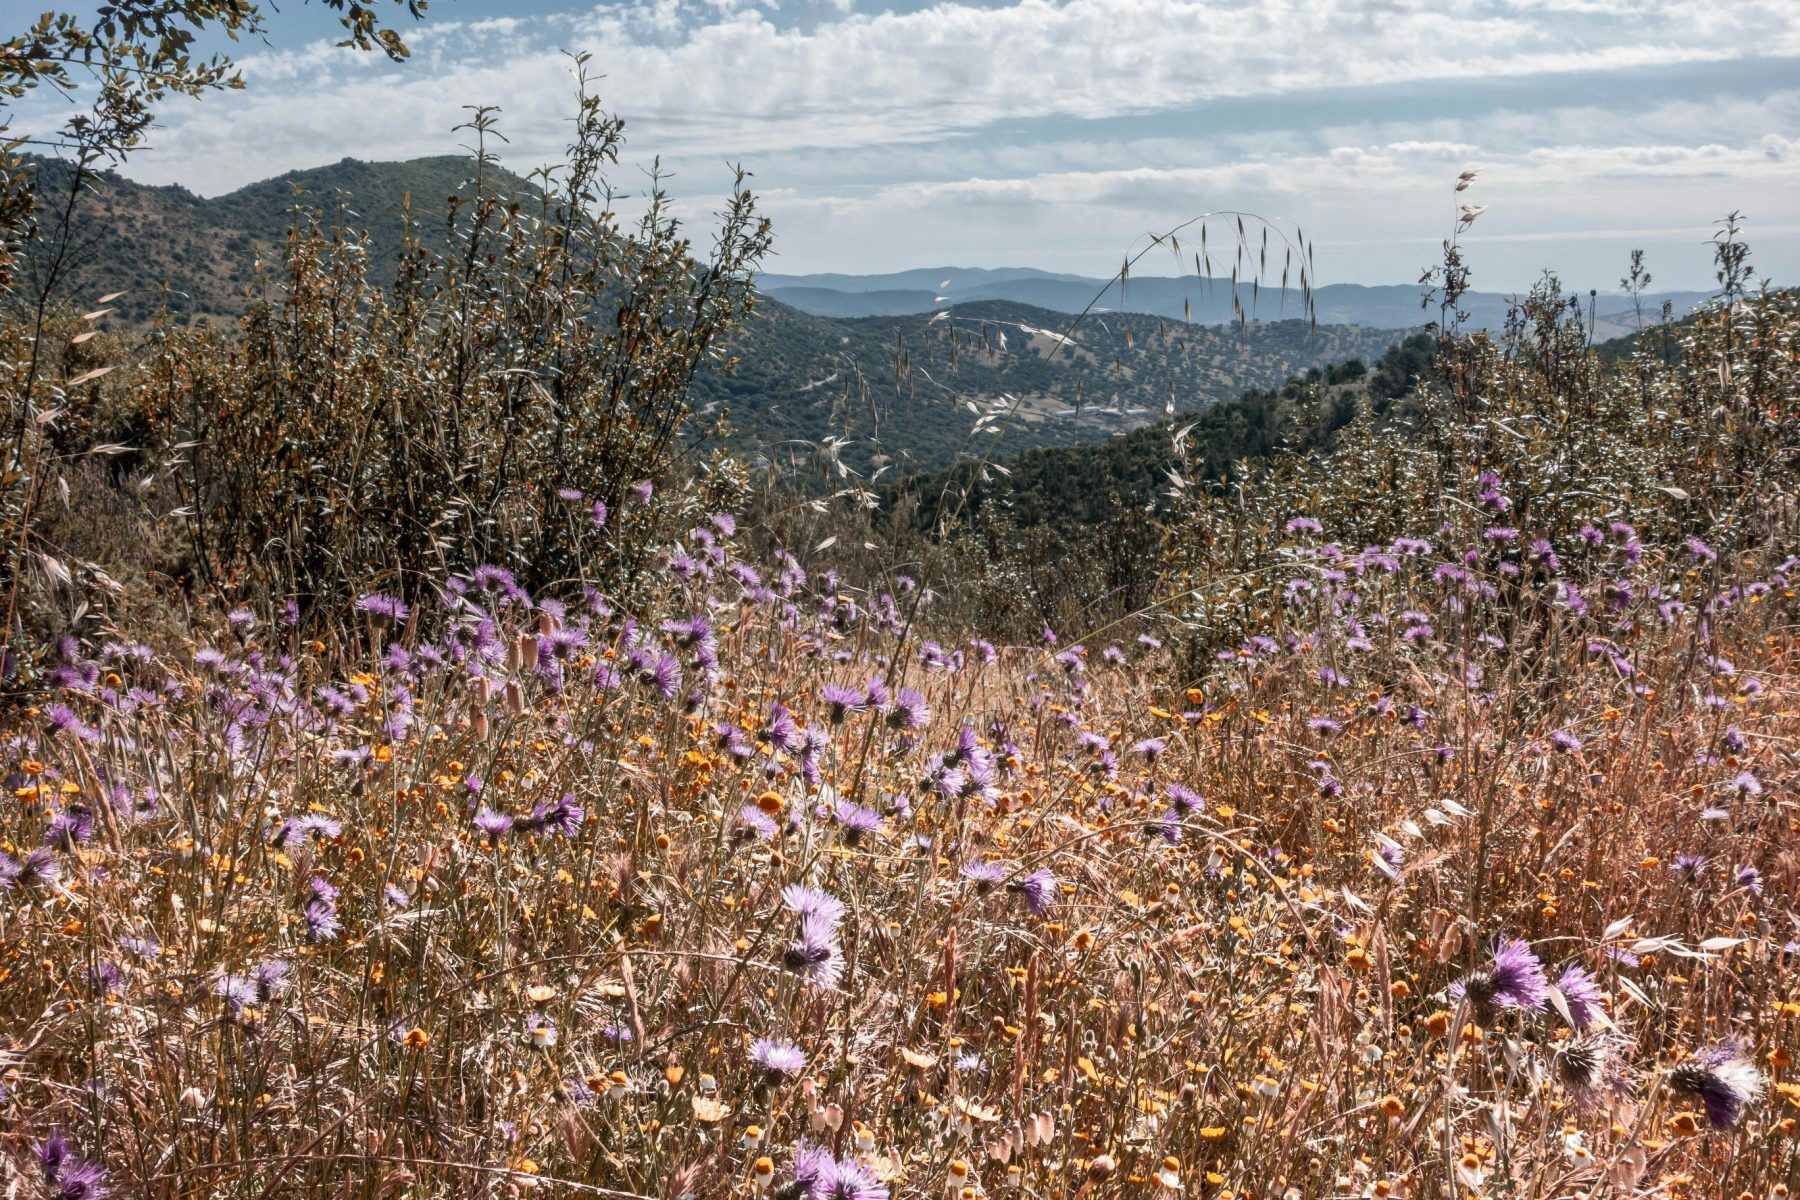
1206, 301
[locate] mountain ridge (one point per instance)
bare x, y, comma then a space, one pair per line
1183, 297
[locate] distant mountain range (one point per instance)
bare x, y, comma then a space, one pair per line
1178, 298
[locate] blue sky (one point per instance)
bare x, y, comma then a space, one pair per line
1054, 133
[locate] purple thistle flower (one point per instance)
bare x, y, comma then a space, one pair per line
1699, 551
783, 1060
819, 1176
1514, 980
851, 1180
908, 711
1039, 890
1749, 878
815, 953
1723, 1080
560, 817
315, 825
665, 675
984, 875
64, 720
1184, 800
813, 1168
40, 868
1689, 867
811, 902
322, 923
841, 701
70, 827
1582, 992
67, 1174
1587, 1065
381, 605
1565, 742
782, 731
1151, 748
269, 979
856, 821
492, 823
756, 823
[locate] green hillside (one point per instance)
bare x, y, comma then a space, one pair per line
167, 247
909, 390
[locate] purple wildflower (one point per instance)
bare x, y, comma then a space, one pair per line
562, 816
1582, 993
782, 1060
70, 827
67, 1174
1689, 867
855, 821
815, 952
1723, 1080
782, 731
380, 604
811, 902
492, 823
908, 711
841, 701
1514, 980
1039, 890
314, 825
984, 875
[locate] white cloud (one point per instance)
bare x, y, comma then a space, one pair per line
874, 127
722, 79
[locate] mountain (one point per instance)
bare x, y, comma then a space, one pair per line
909, 391
888, 382
166, 246
1080, 487
1191, 297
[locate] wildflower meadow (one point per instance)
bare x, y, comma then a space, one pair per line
1470, 872
431, 772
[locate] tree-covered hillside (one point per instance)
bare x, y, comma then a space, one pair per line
910, 391
167, 248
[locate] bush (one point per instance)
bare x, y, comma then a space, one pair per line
495, 405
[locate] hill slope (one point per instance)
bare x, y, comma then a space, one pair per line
167, 246
909, 390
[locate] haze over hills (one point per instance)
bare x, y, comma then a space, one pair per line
1189, 297
903, 387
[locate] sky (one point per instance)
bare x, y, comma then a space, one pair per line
889, 134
